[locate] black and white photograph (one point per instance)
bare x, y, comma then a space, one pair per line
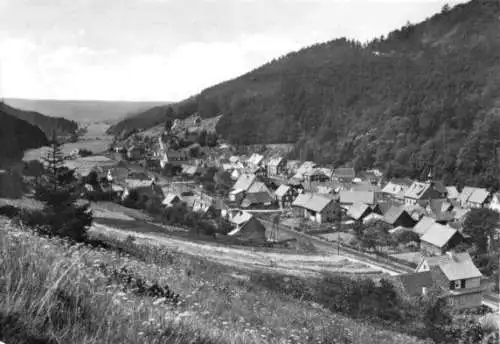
249, 171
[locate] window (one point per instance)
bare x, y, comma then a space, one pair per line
462, 283
452, 285
457, 284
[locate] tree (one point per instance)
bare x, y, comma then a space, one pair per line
58, 189
436, 317
480, 224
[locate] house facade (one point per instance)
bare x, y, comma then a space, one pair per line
420, 193
439, 239
285, 195
276, 166
314, 208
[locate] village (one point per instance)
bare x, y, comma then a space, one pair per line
413, 228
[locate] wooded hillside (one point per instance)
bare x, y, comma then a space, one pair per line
425, 96
16, 136
48, 125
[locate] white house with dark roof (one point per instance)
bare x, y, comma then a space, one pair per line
458, 279
422, 192
314, 207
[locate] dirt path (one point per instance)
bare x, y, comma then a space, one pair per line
293, 264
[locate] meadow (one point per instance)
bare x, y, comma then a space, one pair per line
57, 293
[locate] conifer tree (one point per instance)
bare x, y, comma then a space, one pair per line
58, 189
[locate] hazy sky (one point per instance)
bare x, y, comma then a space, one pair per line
170, 49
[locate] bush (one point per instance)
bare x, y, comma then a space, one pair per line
9, 211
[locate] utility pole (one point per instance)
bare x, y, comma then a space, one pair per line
338, 230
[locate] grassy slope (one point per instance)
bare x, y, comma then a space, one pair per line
44, 281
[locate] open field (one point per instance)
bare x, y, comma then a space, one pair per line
294, 264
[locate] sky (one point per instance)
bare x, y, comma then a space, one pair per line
168, 50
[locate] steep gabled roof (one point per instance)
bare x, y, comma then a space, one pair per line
465, 194
257, 187
454, 270
282, 190
302, 200
357, 210
423, 225
413, 283
479, 196
244, 182
317, 203
438, 235
393, 214
351, 197
452, 192
417, 190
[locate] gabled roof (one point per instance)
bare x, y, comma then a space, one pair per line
460, 270
344, 172
438, 235
170, 198
244, 182
258, 187
465, 194
452, 192
255, 159
446, 258
423, 225
357, 210
412, 283
351, 197
282, 190
479, 196
393, 214
312, 202
241, 218
365, 187
256, 198
417, 190
275, 161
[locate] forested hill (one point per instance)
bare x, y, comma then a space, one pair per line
16, 136
48, 125
425, 96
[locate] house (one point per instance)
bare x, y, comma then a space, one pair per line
257, 199
205, 206
171, 200
439, 239
144, 189
371, 177
314, 178
358, 211
421, 192
397, 216
495, 202
348, 198
247, 228
255, 160
315, 207
244, 182
396, 189
365, 186
344, 174
464, 196
423, 225
457, 278
174, 157
453, 193
285, 195
276, 166
135, 152
305, 167
292, 166
479, 198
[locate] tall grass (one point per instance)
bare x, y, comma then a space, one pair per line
57, 293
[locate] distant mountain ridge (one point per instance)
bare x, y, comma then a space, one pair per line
84, 110
48, 125
16, 136
425, 97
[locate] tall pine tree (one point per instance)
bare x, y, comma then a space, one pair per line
59, 190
